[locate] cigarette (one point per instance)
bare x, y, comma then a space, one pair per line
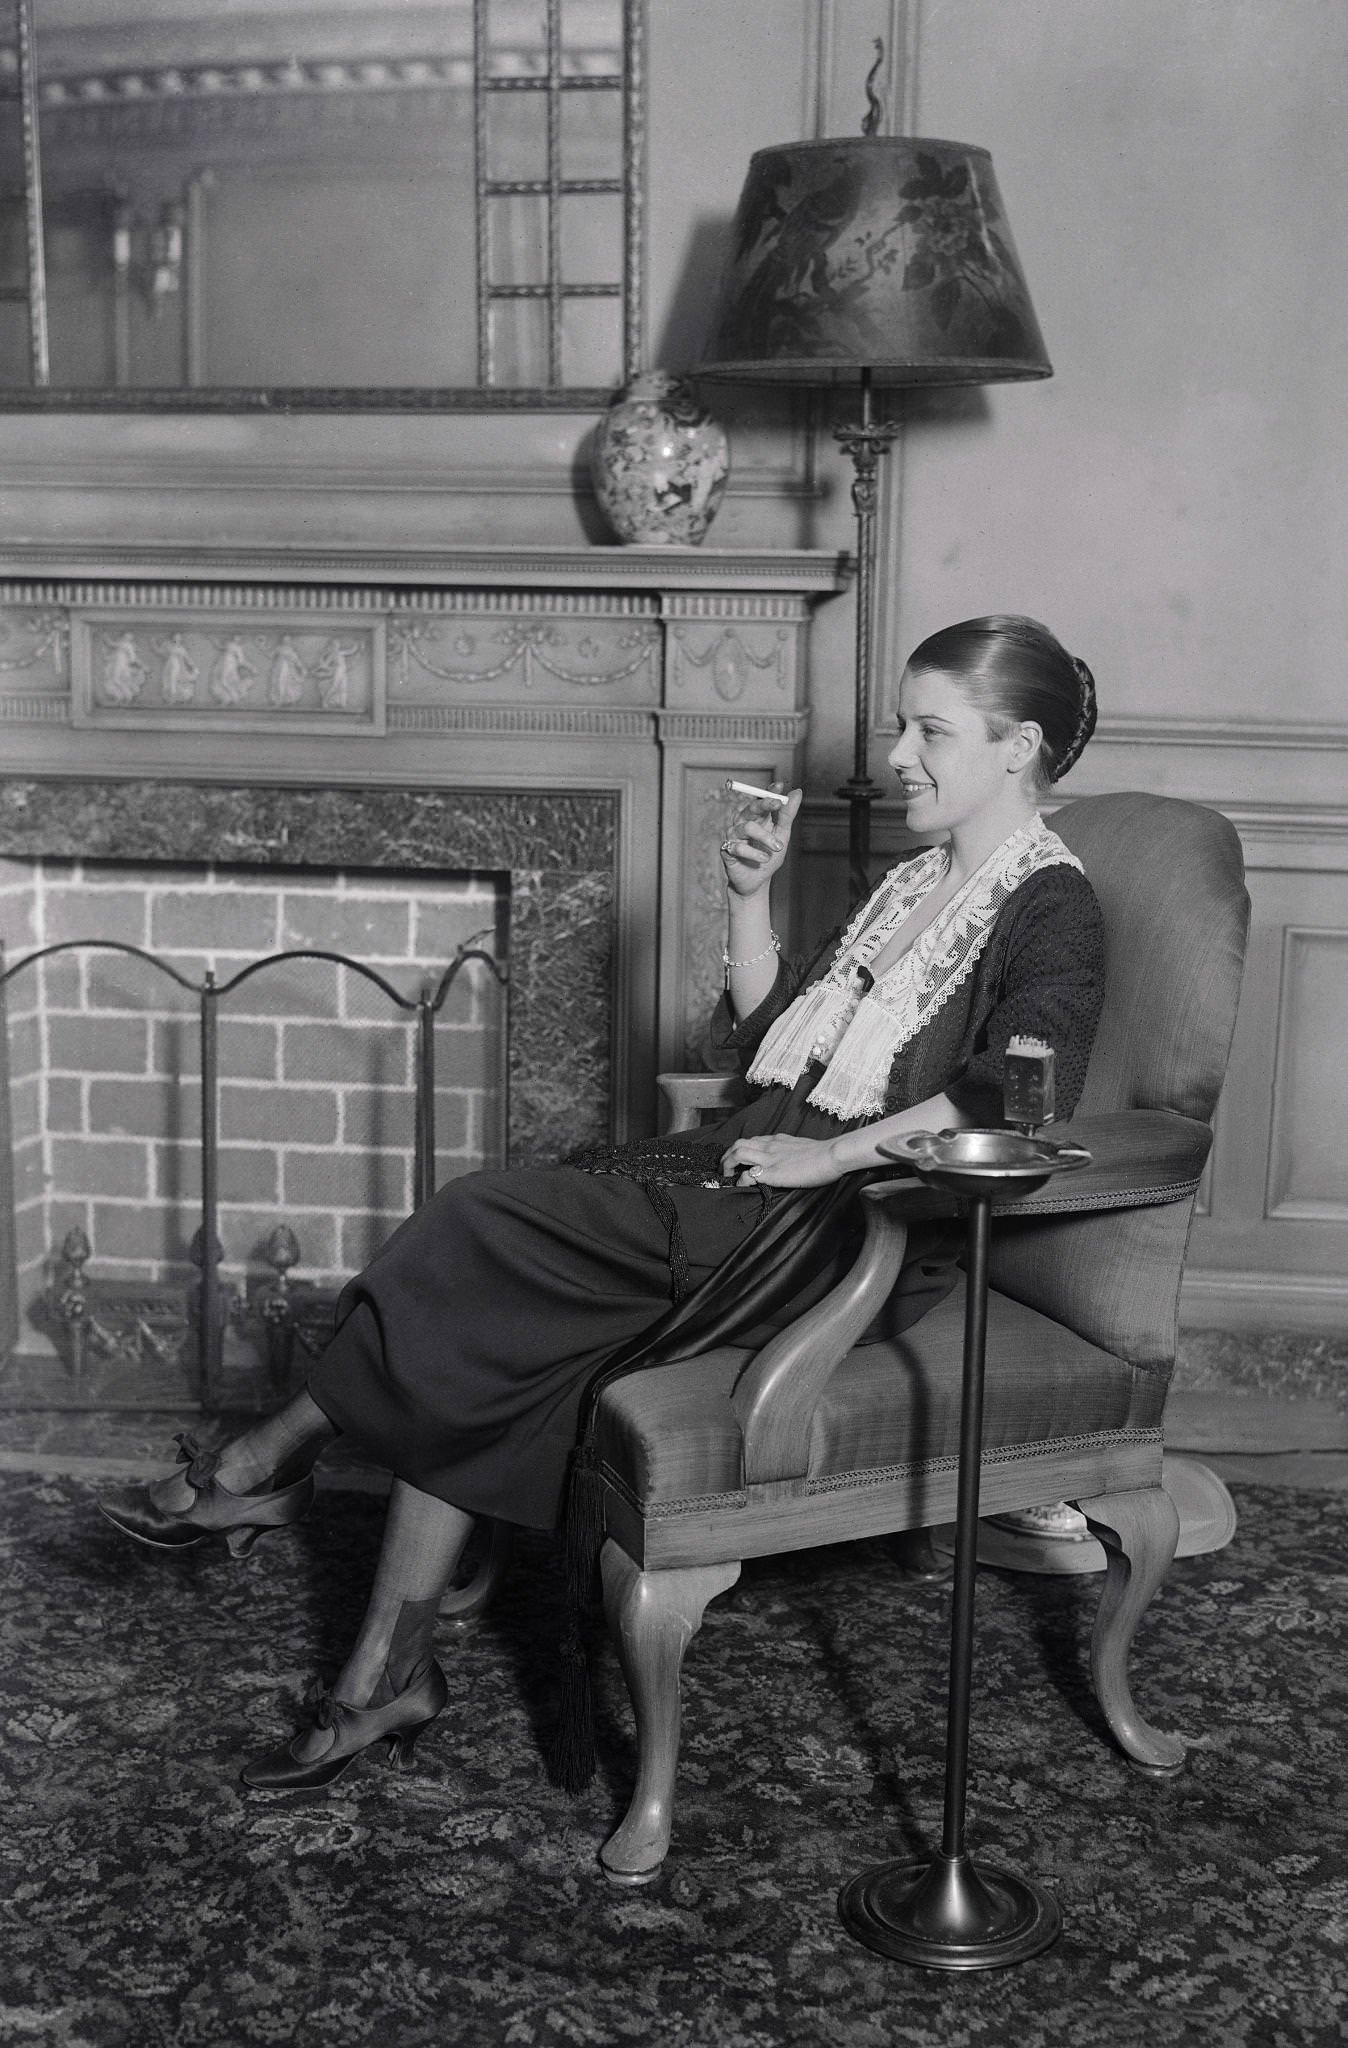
765, 796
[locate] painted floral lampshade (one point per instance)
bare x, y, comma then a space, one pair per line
883, 253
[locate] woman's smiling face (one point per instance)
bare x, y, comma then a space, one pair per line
949, 767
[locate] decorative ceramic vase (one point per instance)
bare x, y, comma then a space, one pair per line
660, 463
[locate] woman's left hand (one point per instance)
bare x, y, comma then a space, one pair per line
781, 1162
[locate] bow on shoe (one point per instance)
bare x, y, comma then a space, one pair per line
327, 1712
201, 1465
319, 1702
351, 1730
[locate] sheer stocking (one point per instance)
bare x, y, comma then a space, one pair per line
273, 1453
423, 1540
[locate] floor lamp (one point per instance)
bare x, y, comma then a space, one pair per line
870, 262
887, 261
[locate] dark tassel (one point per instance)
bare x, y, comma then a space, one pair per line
660, 1199
572, 1758
584, 1525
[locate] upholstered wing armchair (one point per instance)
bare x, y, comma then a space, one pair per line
817, 1438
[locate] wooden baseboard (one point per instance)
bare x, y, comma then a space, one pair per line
1215, 1300
1247, 1421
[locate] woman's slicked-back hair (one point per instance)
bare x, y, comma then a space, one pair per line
1013, 669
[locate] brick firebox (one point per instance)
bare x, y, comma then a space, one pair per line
316, 1063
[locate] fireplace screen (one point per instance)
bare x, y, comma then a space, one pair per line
225, 1086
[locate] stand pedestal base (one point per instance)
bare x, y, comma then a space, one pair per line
949, 1914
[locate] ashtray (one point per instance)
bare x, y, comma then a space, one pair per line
984, 1161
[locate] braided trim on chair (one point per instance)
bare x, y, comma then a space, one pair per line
665, 1510
1007, 1454
696, 1504
874, 1475
1134, 1198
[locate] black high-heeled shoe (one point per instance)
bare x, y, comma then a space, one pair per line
239, 1517
354, 1729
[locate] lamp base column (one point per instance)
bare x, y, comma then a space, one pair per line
949, 1914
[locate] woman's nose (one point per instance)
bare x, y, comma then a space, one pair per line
900, 752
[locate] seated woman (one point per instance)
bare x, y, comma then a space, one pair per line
462, 1352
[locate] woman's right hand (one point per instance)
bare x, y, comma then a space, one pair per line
755, 846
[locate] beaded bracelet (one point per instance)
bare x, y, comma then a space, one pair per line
774, 947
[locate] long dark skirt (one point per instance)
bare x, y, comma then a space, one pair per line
463, 1349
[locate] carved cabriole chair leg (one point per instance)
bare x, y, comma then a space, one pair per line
654, 1616
1139, 1531
464, 1603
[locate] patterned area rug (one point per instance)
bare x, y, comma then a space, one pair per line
148, 1900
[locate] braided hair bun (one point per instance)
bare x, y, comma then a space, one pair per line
1085, 724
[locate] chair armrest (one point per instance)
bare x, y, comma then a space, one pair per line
686, 1094
776, 1395
1141, 1158
1138, 1157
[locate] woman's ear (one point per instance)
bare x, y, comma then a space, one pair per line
1026, 742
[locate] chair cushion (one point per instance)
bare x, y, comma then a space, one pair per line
669, 1433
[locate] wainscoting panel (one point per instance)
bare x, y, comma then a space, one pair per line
1308, 1158
1273, 1250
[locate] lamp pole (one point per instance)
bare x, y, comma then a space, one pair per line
866, 442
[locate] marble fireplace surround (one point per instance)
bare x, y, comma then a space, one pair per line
556, 850
565, 714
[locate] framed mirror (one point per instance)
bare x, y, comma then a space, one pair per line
379, 205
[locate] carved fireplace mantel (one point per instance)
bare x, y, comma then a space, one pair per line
649, 674
814, 572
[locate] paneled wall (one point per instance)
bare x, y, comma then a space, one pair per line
1170, 502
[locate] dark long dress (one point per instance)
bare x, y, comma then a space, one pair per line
463, 1349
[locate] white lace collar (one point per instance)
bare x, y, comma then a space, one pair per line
860, 1034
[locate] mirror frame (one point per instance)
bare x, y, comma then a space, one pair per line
288, 399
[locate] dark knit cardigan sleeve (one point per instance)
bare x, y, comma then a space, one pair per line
743, 1036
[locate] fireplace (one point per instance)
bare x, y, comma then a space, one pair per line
526, 744
316, 1078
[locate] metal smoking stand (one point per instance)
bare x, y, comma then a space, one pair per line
947, 1912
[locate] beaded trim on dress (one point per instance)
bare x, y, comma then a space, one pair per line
860, 1031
